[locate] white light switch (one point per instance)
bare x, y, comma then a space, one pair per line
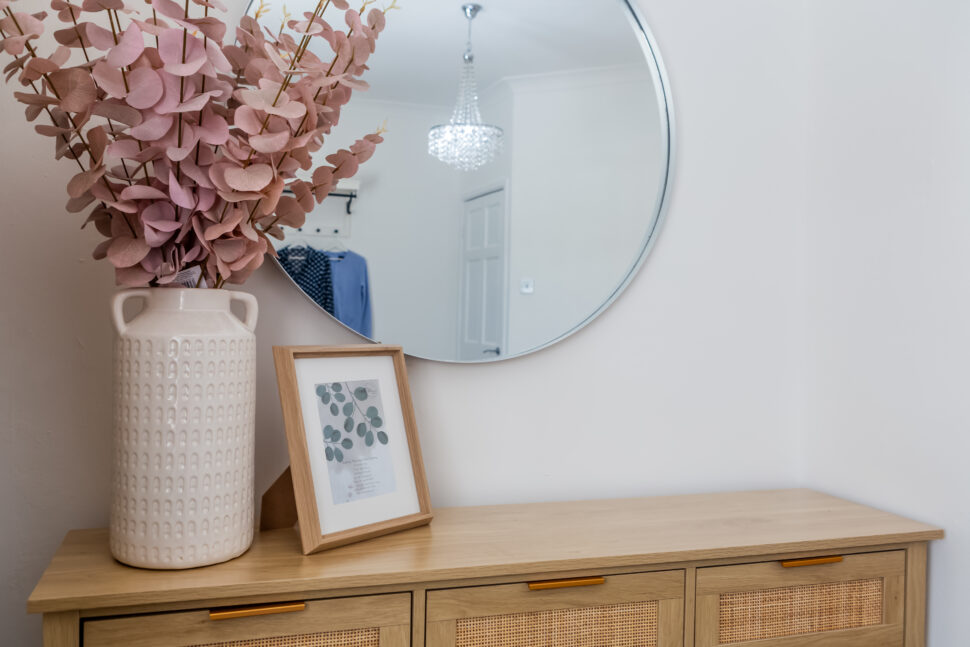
527, 286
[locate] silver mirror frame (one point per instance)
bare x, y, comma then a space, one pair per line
658, 73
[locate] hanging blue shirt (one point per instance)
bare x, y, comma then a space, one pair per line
310, 269
351, 290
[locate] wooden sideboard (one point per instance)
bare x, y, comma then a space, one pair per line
787, 568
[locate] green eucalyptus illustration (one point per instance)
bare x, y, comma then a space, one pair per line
358, 418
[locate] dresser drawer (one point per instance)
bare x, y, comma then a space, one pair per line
851, 601
369, 621
642, 610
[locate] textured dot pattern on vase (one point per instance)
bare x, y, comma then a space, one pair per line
184, 447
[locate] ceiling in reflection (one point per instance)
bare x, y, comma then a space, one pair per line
512, 38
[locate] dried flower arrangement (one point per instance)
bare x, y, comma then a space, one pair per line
185, 144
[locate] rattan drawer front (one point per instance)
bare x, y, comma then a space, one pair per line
368, 621
857, 602
638, 610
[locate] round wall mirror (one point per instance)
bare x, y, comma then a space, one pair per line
520, 185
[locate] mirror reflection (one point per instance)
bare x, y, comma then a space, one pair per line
518, 188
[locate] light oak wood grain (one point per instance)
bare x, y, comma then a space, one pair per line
61, 629
670, 630
490, 542
396, 636
480, 601
916, 595
771, 575
196, 628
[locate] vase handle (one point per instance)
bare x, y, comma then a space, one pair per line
252, 308
118, 307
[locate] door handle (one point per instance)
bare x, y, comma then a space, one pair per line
546, 585
811, 561
495, 350
230, 613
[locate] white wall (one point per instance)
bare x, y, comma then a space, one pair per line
703, 374
588, 144
888, 352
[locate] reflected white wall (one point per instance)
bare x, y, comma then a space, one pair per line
405, 222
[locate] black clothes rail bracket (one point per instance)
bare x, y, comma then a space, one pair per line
350, 199
350, 195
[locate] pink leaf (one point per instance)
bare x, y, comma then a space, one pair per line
124, 149
143, 192
198, 175
146, 88
60, 56
172, 44
82, 182
52, 131
161, 216
14, 45
376, 20
34, 99
113, 109
229, 250
270, 142
36, 68
100, 37
97, 142
251, 179
72, 37
77, 205
132, 277
76, 89
99, 5
22, 24
217, 57
196, 103
230, 222
303, 195
271, 195
128, 49
345, 164
289, 212
110, 80
153, 128
248, 120
126, 251
169, 9
181, 196
213, 129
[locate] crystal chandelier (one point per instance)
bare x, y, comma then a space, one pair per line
465, 142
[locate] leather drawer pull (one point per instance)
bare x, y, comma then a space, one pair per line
811, 561
545, 585
231, 613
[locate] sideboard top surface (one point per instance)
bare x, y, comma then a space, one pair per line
488, 541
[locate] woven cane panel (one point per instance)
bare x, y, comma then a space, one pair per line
810, 609
352, 638
615, 625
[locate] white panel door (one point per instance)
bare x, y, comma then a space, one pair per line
483, 297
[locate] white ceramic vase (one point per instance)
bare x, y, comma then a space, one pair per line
185, 376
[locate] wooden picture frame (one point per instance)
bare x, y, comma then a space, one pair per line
345, 427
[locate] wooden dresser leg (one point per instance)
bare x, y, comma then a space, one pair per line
916, 595
62, 629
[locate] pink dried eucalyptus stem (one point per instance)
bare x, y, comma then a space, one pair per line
218, 131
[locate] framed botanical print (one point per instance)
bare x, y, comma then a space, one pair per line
353, 442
